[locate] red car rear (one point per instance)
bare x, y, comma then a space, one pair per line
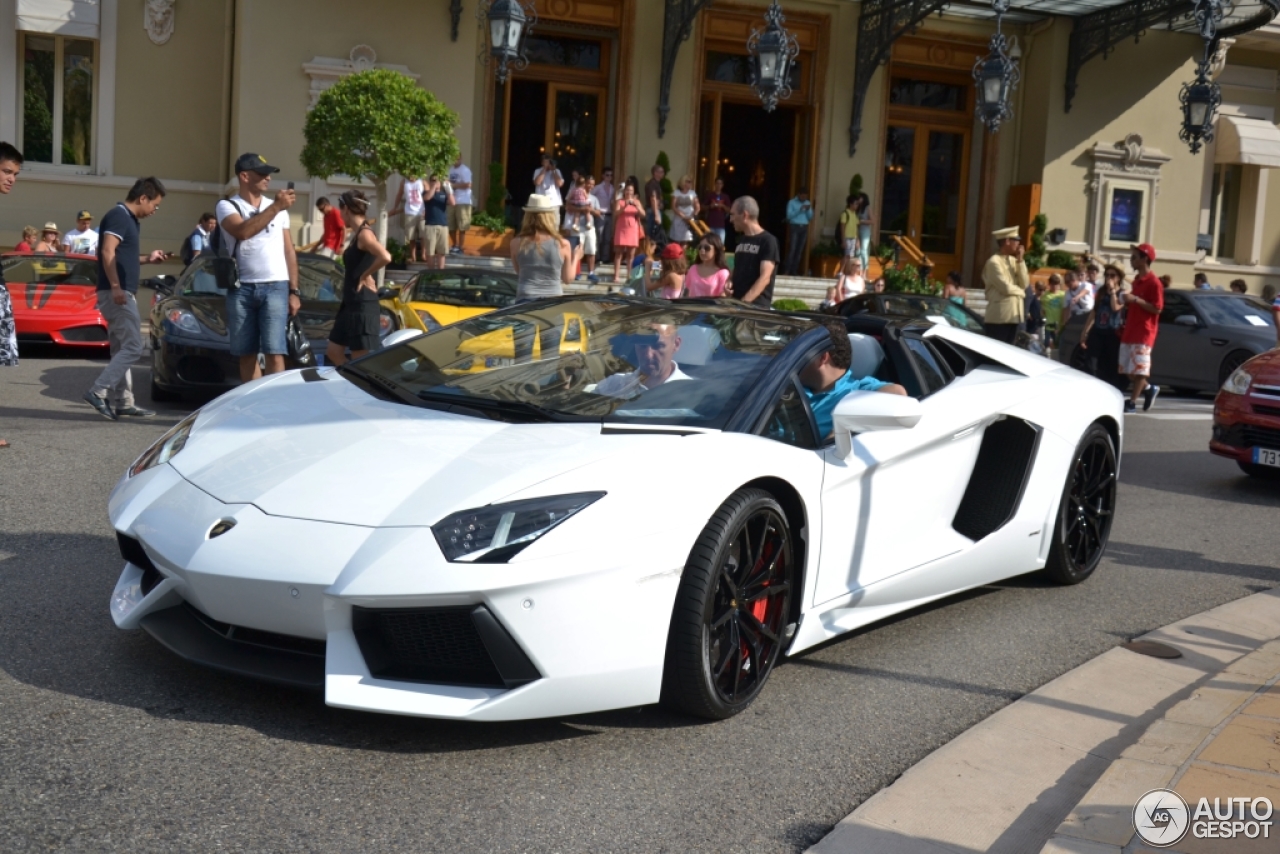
55, 299
1246, 417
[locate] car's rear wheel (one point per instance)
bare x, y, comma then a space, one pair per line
1086, 510
1233, 360
1260, 472
731, 614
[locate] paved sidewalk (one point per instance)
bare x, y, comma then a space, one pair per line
1060, 770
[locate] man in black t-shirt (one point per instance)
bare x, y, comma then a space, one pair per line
755, 259
120, 261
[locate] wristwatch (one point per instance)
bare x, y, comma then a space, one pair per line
294, 292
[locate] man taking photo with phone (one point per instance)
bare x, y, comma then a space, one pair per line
120, 261
257, 236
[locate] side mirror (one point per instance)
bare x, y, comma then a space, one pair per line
869, 411
387, 293
399, 337
1187, 320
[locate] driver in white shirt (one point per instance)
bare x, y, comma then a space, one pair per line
655, 351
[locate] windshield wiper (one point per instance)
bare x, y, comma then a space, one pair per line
492, 406
381, 388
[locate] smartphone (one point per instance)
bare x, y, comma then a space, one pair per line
289, 186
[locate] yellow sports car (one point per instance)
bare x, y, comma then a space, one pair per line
436, 298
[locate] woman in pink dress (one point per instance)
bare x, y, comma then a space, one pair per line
708, 277
627, 214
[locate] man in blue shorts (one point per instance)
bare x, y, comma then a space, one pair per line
827, 379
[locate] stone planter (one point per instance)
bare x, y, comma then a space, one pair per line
482, 241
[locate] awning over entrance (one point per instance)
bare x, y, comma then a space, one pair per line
1248, 142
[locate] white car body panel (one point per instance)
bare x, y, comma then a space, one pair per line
333, 512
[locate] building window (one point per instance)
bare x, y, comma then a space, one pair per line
58, 80
1224, 210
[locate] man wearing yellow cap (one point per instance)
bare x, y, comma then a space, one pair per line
1006, 279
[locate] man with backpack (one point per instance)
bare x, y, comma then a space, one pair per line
198, 240
266, 294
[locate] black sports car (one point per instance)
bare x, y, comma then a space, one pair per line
189, 349
1204, 336
920, 306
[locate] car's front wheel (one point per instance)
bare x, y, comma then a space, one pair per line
729, 623
1086, 510
1260, 472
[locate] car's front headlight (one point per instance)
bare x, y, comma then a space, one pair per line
428, 321
166, 447
183, 320
1238, 382
497, 533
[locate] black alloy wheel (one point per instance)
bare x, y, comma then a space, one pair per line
1086, 510
732, 609
1234, 360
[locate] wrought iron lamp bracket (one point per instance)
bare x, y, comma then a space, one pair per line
677, 26
880, 24
455, 18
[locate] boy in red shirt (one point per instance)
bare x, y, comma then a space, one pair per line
334, 234
1141, 322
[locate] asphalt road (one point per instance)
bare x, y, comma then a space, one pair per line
109, 743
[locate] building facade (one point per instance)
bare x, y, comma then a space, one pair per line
103, 91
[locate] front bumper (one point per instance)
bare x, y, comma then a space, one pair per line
1242, 423
377, 617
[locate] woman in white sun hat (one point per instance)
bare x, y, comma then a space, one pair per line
543, 260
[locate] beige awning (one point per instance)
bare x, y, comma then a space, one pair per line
1249, 142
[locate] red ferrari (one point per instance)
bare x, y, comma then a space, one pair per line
1246, 417
55, 299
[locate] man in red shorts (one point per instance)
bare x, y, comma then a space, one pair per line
1141, 322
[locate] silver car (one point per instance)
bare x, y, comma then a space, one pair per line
1204, 336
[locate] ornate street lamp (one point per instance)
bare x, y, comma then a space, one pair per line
996, 75
1200, 98
772, 52
509, 23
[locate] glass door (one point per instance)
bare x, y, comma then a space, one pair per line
925, 173
575, 134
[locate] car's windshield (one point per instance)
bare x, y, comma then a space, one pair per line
319, 279
464, 289
1236, 311
53, 270
622, 361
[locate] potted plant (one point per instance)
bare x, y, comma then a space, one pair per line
488, 235
826, 256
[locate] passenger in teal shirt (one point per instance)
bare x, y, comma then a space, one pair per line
827, 379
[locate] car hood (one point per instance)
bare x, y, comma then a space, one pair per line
310, 445
1265, 367
54, 299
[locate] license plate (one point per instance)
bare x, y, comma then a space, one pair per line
1266, 457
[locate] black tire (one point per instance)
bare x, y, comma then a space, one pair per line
1260, 472
1086, 510
732, 609
160, 395
1234, 359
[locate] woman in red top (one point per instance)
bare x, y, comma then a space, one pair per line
627, 214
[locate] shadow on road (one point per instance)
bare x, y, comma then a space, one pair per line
1197, 474
1154, 557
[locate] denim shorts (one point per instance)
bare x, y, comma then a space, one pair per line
257, 315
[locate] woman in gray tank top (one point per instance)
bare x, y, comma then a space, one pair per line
543, 260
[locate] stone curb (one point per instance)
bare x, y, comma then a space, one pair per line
1041, 767
1220, 742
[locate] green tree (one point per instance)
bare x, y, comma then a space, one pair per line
374, 123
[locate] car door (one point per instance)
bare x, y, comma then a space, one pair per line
888, 507
1183, 341
320, 291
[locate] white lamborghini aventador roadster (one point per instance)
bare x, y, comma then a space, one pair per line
591, 503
